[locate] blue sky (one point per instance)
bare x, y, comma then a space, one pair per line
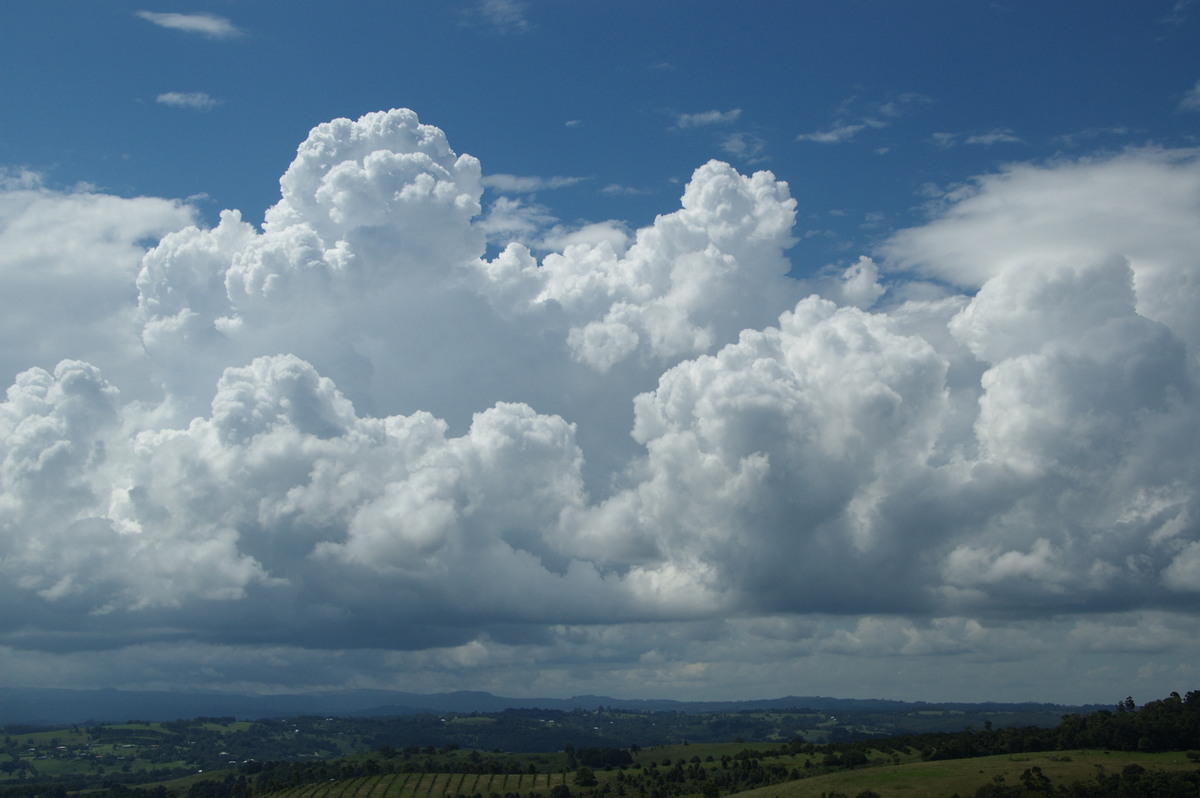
925, 95
693, 350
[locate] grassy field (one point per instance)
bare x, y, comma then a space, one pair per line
963, 776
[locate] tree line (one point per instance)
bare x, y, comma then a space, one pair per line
1168, 724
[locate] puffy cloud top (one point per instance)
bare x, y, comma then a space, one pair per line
690, 281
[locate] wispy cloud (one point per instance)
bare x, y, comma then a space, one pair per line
208, 25
705, 118
1191, 100
1178, 13
506, 16
519, 184
836, 134
1084, 136
853, 117
740, 144
196, 99
746, 146
997, 136
944, 140
618, 190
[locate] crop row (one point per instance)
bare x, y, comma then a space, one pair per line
429, 785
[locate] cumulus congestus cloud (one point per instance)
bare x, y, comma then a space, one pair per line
352, 429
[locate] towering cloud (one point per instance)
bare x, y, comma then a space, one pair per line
689, 282
351, 429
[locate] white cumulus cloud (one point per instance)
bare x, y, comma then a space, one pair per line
653, 451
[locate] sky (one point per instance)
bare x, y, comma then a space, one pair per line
695, 350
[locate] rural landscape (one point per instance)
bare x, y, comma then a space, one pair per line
888, 750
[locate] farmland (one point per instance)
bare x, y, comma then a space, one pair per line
1128, 753
912, 779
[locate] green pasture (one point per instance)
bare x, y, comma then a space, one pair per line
47, 739
942, 779
471, 720
227, 728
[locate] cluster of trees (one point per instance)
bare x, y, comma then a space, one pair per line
536, 730
731, 774
599, 757
1169, 724
1133, 781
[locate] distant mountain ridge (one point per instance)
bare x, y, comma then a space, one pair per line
50, 707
